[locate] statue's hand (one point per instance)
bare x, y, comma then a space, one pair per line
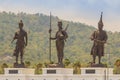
52, 38
62, 38
92, 38
26, 44
50, 30
104, 41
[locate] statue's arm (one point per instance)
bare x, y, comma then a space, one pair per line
54, 38
26, 37
65, 35
92, 36
105, 37
15, 37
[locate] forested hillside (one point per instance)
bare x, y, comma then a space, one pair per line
78, 44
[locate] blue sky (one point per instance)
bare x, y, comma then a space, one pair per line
84, 11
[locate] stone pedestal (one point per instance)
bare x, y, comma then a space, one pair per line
60, 71
96, 71
55, 66
98, 65
17, 65
9, 71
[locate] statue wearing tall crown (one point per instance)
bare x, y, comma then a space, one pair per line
99, 38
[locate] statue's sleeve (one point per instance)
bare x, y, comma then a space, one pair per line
26, 36
106, 37
16, 35
93, 35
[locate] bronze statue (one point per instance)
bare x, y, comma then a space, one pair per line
61, 36
99, 37
21, 37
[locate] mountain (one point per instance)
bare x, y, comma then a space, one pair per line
77, 46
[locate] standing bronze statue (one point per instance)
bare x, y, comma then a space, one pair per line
99, 37
61, 36
21, 37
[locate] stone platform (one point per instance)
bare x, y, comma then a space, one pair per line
57, 71
96, 71
19, 65
55, 66
89, 73
99, 65
9, 71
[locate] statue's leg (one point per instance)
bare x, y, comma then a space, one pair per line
94, 58
94, 54
62, 52
16, 59
21, 59
59, 55
21, 55
99, 59
58, 52
60, 60
16, 52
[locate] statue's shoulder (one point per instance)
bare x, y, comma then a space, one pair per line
104, 31
25, 32
17, 32
96, 31
64, 32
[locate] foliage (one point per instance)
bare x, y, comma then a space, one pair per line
4, 65
66, 62
117, 67
76, 67
38, 69
27, 64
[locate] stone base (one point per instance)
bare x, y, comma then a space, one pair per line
59, 71
98, 65
96, 71
9, 71
17, 65
55, 66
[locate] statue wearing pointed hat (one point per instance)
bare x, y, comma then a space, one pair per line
99, 38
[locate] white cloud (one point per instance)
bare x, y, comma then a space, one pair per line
92, 1
110, 17
112, 2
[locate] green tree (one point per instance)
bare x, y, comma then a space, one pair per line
76, 67
4, 65
38, 69
27, 64
117, 67
66, 62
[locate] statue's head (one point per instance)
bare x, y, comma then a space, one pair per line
100, 23
21, 24
60, 24
100, 26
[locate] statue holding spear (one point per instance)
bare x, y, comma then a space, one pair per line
60, 37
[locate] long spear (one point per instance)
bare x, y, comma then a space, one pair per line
50, 39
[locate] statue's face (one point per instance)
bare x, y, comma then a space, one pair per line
20, 27
100, 27
60, 25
